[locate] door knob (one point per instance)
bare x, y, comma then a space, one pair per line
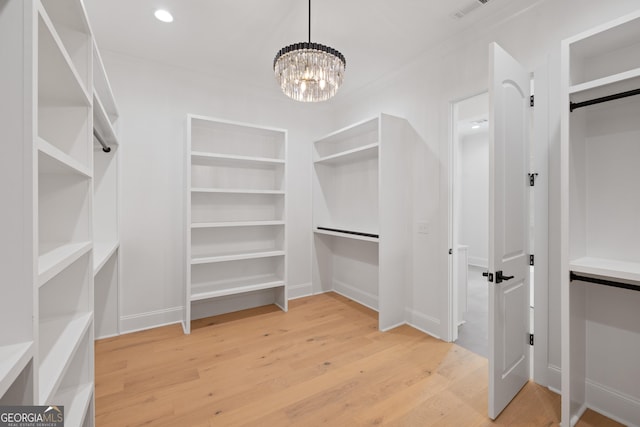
500, 277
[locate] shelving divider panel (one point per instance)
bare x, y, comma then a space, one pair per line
69, 331
348, 236
236, 257
236, 191
102, 86
58, 161
58, 85
13, 359
52, 262
235, 160
607, 268
102, 123
77, 401
365, 152
235, 224
102, 252
198, 296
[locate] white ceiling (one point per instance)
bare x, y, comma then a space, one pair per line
238, 39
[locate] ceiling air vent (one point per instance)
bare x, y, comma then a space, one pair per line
468, 8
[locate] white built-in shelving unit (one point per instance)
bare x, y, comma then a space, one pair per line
64, 286
600, 222
52, 239
362, 214
106, 260
235, 211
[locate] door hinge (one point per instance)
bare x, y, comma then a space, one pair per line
532, 259
532, 179
450, 251
530, 339
531, 101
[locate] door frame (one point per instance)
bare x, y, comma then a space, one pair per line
542, 143
453, 232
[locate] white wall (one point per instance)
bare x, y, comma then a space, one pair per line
474, 182
423, 92
154, 100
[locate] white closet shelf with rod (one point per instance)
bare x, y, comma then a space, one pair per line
347, 234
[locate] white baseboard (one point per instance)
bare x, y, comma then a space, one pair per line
231, 303
300, 291
611, 403
358, 295
422, 322
393, 326
554, 379
150, 320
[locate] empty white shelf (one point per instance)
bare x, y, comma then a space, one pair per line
53, 260
235, 224
365, 152
201, 292
229, 159
13, 359
102, 252
605, 81
102, 123
237, 256
347, 235
61, 84
60, 336
607, 268
76, 401
235, 191
56, 161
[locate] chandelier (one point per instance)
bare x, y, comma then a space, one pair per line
309, 72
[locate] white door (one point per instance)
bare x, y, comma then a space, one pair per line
508, 228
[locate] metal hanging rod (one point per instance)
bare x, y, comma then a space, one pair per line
575, 105
573, 276
105, 147
355, 233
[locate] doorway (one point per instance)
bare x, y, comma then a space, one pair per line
470, 219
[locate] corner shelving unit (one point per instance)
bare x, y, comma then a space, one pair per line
106, 259
235, 212
363, 215
46, 349
600, 228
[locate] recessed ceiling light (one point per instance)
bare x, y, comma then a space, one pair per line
163, 15
475, 127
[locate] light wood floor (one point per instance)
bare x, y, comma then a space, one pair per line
322, 363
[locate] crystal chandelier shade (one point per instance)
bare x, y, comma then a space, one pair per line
309, 72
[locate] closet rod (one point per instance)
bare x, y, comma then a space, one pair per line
356, 233
575, 105
105, 147
573, 276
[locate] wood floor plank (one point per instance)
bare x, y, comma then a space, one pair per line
323, 363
